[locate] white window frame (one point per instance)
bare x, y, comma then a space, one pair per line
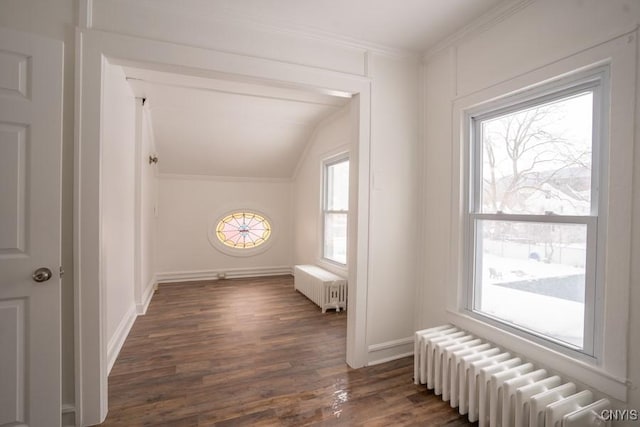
326, 164
608, 372
595, 81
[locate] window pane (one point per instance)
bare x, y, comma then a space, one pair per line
533, 275
243, 230
335, 237
338, 186
538, 160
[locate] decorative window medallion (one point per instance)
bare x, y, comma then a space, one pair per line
241, 233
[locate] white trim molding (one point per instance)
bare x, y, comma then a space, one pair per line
494, 16
85, 14
119, 336
321, 35
222, 273
68, 415
147, 295
390, 350
219, 178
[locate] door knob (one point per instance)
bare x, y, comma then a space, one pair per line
41, 275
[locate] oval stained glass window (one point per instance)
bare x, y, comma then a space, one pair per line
243, 230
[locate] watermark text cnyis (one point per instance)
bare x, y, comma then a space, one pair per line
620, 414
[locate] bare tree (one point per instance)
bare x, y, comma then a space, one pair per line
522, 154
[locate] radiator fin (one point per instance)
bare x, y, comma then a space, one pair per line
496, 388
325, 289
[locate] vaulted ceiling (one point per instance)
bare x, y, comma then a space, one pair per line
227, 128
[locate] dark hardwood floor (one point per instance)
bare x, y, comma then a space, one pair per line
254, 352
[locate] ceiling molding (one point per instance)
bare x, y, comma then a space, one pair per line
314, 33
164, 73
186, 177
486, 21
327, 100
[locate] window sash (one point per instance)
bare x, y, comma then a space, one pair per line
591, 83
327, 193
474, 257
326, 212
325, 241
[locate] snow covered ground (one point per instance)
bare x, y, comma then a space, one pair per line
514, 269
556, 317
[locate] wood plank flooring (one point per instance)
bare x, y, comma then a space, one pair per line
254, 352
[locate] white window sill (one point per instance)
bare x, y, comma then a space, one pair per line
335, 268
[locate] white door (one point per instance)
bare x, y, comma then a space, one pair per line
30, 173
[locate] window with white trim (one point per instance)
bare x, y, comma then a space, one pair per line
335, 208
535, 168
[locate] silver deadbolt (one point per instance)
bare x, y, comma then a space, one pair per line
41, 275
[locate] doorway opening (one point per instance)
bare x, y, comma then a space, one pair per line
99, 51
184, 157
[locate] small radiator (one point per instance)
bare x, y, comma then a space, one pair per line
495, 388
324, 288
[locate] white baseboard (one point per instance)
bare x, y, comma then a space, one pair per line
389, 358
390, 350
120, 335
227, 273
147, 294
68, 415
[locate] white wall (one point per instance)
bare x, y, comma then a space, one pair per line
188, 206
146, 207
56, 20
393, 207
435, 192
118, 210
390, 281
331, 137
544, 33
393, 203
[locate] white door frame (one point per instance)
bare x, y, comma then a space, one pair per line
93, 48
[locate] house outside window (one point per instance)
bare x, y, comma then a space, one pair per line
335, 208
533, 225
